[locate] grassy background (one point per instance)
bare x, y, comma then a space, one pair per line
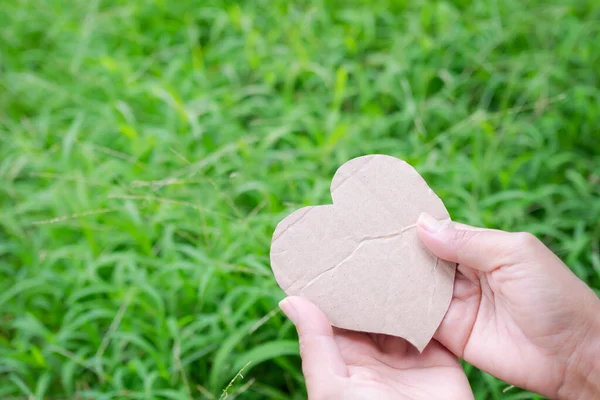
149, 147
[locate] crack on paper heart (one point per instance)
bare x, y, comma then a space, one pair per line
349, 257
300, 218
362, 241
280, 251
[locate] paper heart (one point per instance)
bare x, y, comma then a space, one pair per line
360, 260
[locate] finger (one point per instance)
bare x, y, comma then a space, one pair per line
478, 248
321, 357
466, 227
458, 322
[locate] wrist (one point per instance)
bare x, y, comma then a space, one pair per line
582, 374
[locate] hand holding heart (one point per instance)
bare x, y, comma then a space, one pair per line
517, 313
514, 310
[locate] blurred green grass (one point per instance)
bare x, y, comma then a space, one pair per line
148, 148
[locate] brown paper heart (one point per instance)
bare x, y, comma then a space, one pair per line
360, 260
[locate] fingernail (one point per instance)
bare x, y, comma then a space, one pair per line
431, 224
288, 309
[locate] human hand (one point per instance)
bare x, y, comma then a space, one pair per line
518, 312
340, 364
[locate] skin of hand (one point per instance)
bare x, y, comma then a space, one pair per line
341, 364
517, 311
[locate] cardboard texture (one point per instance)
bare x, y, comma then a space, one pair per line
360, 260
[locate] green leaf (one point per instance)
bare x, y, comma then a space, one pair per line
265, 352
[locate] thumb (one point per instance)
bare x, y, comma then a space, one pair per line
477, 248
321, 357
